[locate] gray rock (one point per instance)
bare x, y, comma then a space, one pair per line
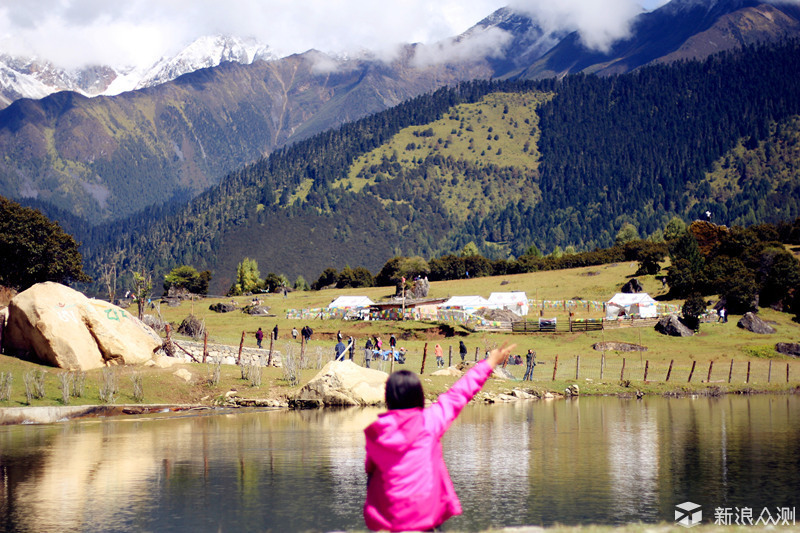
672, 326
421, 287
222, 307
751, 322
788, 348
618, 347
256, 310
191, 327
632, 286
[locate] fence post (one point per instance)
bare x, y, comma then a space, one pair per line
787, 372
748, 372
646, 367
577, 365
476, 354
602, 364
710, 366
670, 369
424, 356
622, 372
205, 346
691, 371
450, 356
241, 344
730, 372
302, 346
769, 372
555, 368
269, 357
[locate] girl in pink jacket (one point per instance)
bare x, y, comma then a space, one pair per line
408, 487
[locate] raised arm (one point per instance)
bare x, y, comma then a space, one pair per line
450, 403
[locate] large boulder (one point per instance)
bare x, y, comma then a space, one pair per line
632, 286
672, 326
192, 327
256, 310
751, 322
788, 348
420, 288
345, 383
63, 327
222, 307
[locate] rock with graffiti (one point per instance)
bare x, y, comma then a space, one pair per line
64, 328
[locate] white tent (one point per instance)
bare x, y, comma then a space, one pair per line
470, 304
639, 304
516, 302
350, 302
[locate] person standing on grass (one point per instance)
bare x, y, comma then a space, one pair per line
439, 356
367, 352
275, 332
462, 350
339, 351
530, 362
259, 337
408, 485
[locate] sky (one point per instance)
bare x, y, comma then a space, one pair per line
76, 33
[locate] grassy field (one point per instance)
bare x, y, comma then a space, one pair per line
716, 346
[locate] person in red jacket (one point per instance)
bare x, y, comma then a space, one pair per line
408, 487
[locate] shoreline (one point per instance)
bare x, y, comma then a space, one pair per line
11, 416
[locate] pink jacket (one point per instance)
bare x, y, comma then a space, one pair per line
409, 488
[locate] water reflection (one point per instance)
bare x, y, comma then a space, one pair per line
589, 460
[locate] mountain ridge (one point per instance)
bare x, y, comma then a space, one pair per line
607, 151
108, 157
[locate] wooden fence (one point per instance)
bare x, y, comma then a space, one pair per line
616, 368
573, 325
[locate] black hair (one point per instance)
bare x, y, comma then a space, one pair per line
404, 391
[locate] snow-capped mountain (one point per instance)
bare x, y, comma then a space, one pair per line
35, 78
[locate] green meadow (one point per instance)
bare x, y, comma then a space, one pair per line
570, 357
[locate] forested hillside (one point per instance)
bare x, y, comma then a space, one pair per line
503, 164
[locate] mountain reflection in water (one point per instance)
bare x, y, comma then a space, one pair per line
581, 461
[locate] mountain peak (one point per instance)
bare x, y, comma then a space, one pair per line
27, 77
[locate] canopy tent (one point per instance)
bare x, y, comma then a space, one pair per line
639, 304
350, 302
469, 304
515, 301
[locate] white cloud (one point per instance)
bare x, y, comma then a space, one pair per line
74, 33
478, 45
599, 23
79, 32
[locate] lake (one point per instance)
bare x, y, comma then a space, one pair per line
581, 461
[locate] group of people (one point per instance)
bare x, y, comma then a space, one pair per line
306, 333
373, 349
260, 335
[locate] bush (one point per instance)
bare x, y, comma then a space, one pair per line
693, 307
